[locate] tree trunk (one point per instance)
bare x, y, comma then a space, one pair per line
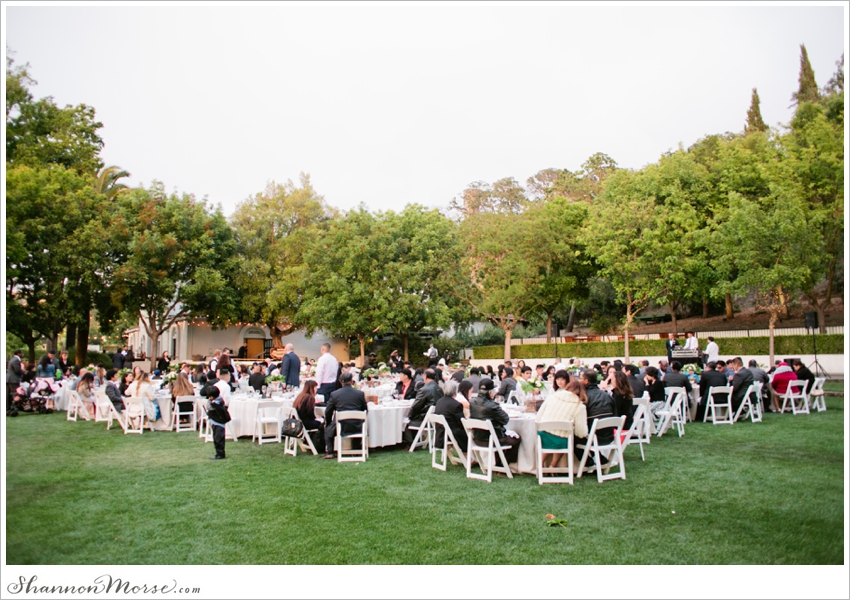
675, 323
548, 327
730, 311
705, 308
71, 336
783, 302
406, 339
83, 339
31, 350
771, 328
508, 333
154, 336
571, 321
626, 337
362, 340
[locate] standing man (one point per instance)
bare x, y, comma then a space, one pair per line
671, 343
243, 351
394, 362
326, 371
712, 351
129, 358
432, 355
691, 342
290, 367
118, 359
345, 398
13, 377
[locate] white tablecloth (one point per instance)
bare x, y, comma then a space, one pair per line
243, 411
385, 422
525, 425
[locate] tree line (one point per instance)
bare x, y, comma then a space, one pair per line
755, 212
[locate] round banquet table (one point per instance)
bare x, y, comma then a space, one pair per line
243, 411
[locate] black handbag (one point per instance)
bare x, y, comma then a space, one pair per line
292, 428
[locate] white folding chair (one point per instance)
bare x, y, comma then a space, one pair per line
638, 433
203, 420
719, 412
612, 451
425, 429
450, 449
76, 407
484, 455
205, 427
268, 413
190, 414
101, 407
796, 395
747, 404
305, 442
352, 455
135, 417
679, 390
671, 414
558, 474
817, 396
513, 397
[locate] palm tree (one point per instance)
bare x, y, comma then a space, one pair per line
106, 182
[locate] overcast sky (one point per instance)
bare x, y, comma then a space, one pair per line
392, 104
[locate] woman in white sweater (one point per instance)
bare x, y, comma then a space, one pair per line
567, 403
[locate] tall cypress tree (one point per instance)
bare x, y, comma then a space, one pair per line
754, 120
808, 91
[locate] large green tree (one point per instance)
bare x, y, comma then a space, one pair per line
273, 230
178, 260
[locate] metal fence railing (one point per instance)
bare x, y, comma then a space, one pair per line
701, 335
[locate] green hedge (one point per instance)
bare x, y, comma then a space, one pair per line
791, 345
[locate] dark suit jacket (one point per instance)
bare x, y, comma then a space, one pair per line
638, 385
410, 393
427, 396
709, 379
805, 374
742, 380
670, 344
290, 368
117, 360
345, 398
677, 380
452, 410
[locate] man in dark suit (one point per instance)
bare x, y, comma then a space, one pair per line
118, 360
741, 382
345, 398
290, 367
637, 383
405, 388
671, 343
710, 378
675, 377
426, 397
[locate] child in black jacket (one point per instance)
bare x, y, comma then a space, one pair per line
218, 416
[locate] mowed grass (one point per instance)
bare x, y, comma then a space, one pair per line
768, 493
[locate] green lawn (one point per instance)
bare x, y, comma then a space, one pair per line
769, 493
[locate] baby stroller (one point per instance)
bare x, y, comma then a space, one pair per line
35, 397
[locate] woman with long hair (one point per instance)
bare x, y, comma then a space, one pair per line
622, 394
99, 376
566, 403
142, 388
182, 387
85, 389
305, 406
126, 380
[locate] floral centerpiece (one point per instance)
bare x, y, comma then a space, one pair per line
275, 382
384, 370
532, 386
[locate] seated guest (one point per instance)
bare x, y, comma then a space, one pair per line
804, 374
483, 407
394, 362
182, 387
507, 385
563, 405
99, 376
655, 387
126, 380
643, 365
199, 375
458, 375
638, 386
85, 389
741, 382
257, 379
723, 367
474, 379
599, 405
710, 378
112, 392
464, 394
759, 376
163, 363
549, 374
675, 378
426, 397
343, 399
663, 368
142, 388
404, 389
305, 406
622, 395
452, 410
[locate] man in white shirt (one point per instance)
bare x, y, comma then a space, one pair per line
223, 384
712, 351
691, 343
432, 355
327, 368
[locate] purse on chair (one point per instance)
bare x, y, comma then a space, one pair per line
292, 428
